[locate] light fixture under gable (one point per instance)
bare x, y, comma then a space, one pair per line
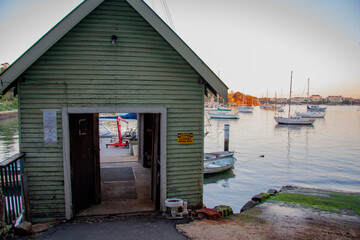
113, 39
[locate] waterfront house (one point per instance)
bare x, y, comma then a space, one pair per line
108, 57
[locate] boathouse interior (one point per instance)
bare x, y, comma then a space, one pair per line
125, 179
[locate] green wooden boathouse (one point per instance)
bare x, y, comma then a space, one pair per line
108, 56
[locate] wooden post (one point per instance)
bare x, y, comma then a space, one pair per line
226, 137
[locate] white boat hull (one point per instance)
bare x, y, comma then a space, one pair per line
316, 109
219, 165
244, 109
311, 114
294, 120
223, 115
216, 155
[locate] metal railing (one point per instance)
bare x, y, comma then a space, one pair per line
11, 173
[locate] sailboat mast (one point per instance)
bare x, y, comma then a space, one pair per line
290, 94
308, 88
308, 99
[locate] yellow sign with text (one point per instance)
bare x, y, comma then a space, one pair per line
185, 138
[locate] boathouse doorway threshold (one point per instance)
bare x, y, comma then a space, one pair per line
125, 184
108, 180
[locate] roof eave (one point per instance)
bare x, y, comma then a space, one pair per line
9, 77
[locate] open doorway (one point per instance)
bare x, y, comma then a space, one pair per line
122, 175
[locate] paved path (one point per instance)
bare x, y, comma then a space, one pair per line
124, 229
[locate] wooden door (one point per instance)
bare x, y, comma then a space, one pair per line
155, 163
84, 160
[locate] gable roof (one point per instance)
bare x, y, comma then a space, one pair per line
9, 77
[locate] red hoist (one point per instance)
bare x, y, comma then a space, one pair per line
120, 143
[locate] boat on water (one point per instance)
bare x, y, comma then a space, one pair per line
223, 109
281, 109
293, 120
313, 111
316, 109
223, 115
270, 107
245, 109
310, 114
215, 155
219, 165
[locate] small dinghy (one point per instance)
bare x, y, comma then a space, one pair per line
219, 165
215, 155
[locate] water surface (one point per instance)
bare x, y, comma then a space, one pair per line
325, 155
9, 138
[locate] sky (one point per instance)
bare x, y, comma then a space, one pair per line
253, 45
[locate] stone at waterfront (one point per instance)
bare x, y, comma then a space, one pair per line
272, 191
224, 210
258, 198
250, 204
23, 229
209, 213
287, 187
40, 227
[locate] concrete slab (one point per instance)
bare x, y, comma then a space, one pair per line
134, 229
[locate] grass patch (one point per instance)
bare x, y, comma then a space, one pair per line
8, 105
333, 202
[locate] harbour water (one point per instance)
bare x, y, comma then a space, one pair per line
9, 138
326, 155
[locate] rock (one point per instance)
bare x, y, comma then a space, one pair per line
23, 229
272, 192
40, 227
209, 213
250, 204
287, 187
224, 210
259, 198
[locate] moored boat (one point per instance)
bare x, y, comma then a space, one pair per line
245, 109
310, 114
270, 107
293, 120
219, 165
280, 109
223, 115
215, 155
223, 109
316, 109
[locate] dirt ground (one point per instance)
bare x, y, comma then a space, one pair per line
276, 220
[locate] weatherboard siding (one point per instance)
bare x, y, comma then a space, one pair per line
83, 69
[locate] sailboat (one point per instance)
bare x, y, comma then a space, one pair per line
309, 113
293, 120
243, 108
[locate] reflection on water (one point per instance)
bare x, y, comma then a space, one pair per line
325, 155
9, 138
291, 130
217, 177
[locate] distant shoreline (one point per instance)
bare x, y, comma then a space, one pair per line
8, 114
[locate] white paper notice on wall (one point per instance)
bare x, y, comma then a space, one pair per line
49, 121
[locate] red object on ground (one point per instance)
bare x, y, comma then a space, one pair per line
119, 143
209, 213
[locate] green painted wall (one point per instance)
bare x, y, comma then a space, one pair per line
83, 69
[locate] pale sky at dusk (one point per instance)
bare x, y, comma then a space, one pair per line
253, 44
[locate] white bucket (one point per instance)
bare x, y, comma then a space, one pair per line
136, 150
